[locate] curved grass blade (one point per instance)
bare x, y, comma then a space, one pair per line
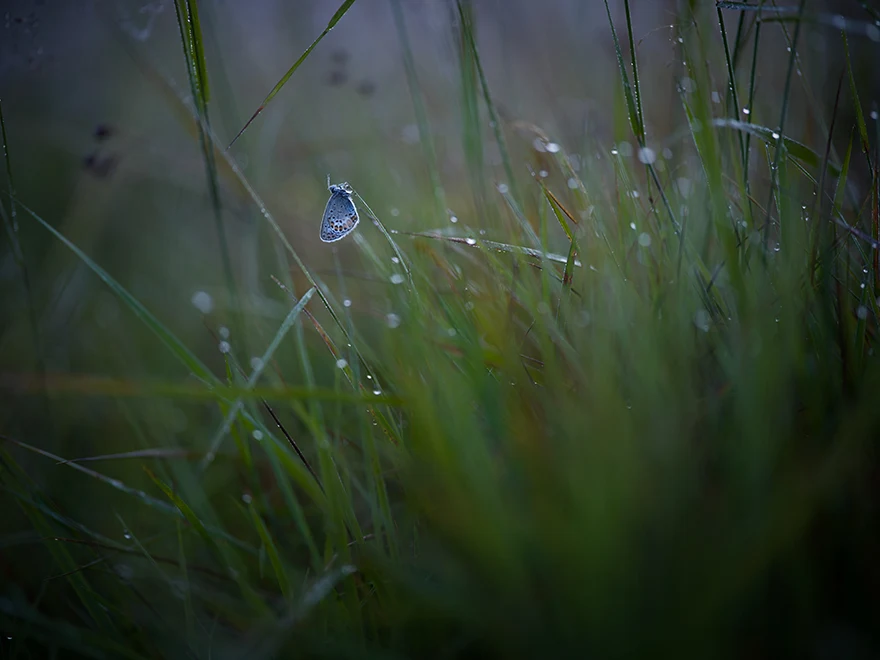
468, 32
88, 385
113, 483
794, 148
343, 8
174, 345
494, 245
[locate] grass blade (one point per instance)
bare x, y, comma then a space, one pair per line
172, 343
254, 377
344, 7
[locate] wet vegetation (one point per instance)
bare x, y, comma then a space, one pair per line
593, 376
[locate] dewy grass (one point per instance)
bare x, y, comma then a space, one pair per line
590, 431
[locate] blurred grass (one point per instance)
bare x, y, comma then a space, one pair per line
574, 396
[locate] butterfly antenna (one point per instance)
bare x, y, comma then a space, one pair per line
328, 182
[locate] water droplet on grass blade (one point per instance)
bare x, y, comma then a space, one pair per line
701, 320
647, 156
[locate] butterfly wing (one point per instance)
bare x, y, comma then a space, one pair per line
340, 217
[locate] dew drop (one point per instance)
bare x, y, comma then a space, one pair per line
552, 147
224, 347
203, 301
256, 363
246, 498
346, 302
395, 260
502, 188
647, 156
257, 435
392, 320
862, 312
644, 239
397, 278
746, 111
341, 363
470, 241
395, 212
572, 183
223, 331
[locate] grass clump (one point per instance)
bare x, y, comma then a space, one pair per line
619, 403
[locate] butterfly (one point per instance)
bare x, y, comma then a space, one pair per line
340, 216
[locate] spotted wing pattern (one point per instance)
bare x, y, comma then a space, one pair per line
340, 216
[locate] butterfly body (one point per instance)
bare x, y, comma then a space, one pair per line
340, 215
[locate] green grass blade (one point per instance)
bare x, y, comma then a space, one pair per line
83, 385
171, 342
468, 31
772, 137
494, 245
632, 109
272, 551
237, 405
194, 54
344, 7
